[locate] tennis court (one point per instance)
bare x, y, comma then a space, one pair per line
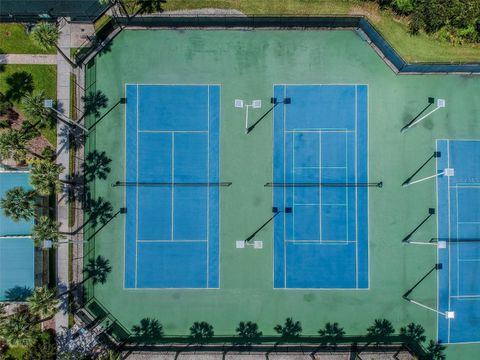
320, 185
16, 265
16, 246
172, 157
459, 231
9, 180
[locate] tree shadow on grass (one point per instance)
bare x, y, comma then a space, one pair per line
19, 84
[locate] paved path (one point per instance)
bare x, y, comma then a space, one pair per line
63, 105
35, 59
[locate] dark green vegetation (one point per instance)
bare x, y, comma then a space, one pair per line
15, 40
456, 21
422, 47
16, 81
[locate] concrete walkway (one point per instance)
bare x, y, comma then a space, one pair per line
34, 59
63, 131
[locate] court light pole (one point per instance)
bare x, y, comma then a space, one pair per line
48, 104
440, 104
446, 172
240, 104
447, 314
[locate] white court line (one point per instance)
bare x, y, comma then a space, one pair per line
320, 167
469, 260
136, 202
449, 242
438, 249
356, 191
293, 188
208, 189
319, 130
174, 131
468, 222
171, 241
173, 182
320, 173
284, 190
467, 297
456, 237
318, 204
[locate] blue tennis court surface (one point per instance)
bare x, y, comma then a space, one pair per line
9, 180
459, 228
321, 137
172, 232
16, 265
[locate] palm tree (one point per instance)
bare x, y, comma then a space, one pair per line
380, 331
148, 332
44, 177
248, 332
32, 105
5, 104
291, 329
144, 6
201, 332
332, 333
46, 229
13, 145
18, 204
43, 303
18, 329
413, 333
43, 348
435, 351
46, 36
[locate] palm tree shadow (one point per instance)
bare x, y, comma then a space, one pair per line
96, 166
19, 83
18, 293
93, 103
99, 211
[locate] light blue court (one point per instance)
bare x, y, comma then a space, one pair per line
321, 136
9, 180
16, 265
172, 230
459, 229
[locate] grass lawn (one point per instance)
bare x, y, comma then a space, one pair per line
419, 48
13, 40
44, 77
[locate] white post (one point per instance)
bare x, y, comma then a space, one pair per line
246, 119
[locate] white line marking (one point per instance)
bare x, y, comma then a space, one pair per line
208, 189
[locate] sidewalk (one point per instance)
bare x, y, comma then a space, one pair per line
34, 59
63, 131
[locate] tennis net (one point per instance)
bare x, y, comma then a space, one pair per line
323, 184
173, 184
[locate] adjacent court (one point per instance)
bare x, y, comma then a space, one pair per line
172, 197
320, 186
17, 260
459, 240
